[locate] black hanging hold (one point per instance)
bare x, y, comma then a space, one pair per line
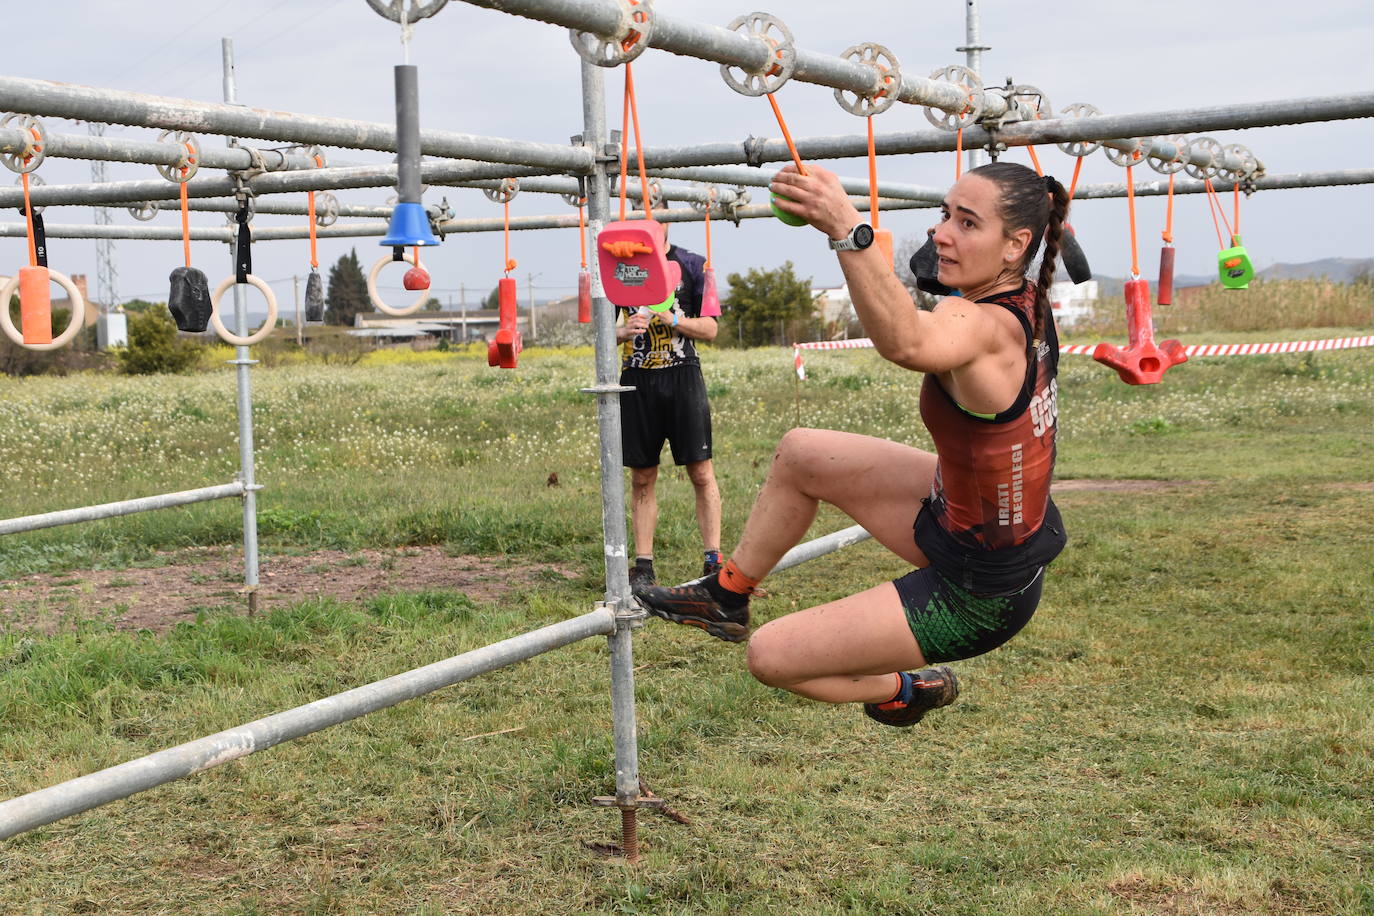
314, 297
243, 250
189, 300
40, 240
1072, 256
398, 253
925, 265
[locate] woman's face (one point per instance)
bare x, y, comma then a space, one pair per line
971, 239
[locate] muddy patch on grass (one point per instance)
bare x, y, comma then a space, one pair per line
185, 582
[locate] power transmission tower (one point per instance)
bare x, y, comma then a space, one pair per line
106, 276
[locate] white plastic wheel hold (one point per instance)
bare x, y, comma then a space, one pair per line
377, 298
268, 324
74, 325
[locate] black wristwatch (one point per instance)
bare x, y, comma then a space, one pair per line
859, 238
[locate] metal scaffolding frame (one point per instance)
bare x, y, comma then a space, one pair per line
1004, 118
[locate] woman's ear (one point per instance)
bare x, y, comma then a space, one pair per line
1015, 245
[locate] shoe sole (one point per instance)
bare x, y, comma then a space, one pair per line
730, 632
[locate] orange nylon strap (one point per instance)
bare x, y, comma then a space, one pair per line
185, 226
1130, 203
1236, 191
1073, 182
28, 218
958, 153
1035, 160
1211, 208
28, 209
624, 144
582, 232
872, 177
1214, 204
310, 209
1168, 233
639, 143
786, 135
707, 265
510, 265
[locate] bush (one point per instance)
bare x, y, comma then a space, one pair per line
154, 347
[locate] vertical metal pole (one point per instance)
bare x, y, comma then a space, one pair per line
973, 58
241, 363
612, 476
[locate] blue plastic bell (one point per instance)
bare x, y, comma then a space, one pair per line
409, 226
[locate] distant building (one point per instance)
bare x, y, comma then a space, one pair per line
835, 309
1072, 302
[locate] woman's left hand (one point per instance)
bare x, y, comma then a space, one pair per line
816, 197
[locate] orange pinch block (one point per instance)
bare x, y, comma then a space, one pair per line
1141, 362
505, 347
635, 269
35, 305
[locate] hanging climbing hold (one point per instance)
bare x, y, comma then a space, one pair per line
416, 278
314, 298
505, 347
634, 266
189, 299
1234, 267
1141, 362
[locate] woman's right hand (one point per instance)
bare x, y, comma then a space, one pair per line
816, 197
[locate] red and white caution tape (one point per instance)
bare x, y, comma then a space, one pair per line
1246, 349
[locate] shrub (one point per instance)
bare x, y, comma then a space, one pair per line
154, 347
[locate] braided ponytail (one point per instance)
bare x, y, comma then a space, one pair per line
1054, 234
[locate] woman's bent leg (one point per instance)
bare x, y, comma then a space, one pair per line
876, 482
846, 651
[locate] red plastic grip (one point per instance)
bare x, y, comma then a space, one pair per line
1166, 276
584, 298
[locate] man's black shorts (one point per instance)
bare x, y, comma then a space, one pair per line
667, 403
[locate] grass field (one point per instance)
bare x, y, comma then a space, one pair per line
1184, 728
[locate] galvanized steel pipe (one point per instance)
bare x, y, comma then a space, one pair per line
125, 507
83, 103
119, 149
826, 543
85, 792
714, 43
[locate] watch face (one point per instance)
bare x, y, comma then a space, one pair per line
863, 235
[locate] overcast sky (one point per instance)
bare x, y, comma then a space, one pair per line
488, 73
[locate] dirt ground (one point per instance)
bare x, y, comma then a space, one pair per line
156, 597
187, 581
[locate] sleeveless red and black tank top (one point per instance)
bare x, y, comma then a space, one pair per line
989, 522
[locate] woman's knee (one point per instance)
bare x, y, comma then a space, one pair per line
796, 451
766, 658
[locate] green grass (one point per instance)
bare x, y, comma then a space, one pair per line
1184, 728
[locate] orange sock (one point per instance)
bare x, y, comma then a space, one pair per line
732, 580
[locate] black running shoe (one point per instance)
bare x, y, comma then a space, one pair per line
922, 691
693, 604
642, 577
709, 569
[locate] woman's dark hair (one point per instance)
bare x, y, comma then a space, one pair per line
1028, 201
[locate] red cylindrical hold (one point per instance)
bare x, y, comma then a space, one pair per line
584, 298
710, 300
35, 305
1166, 275
507, 344
416, 278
